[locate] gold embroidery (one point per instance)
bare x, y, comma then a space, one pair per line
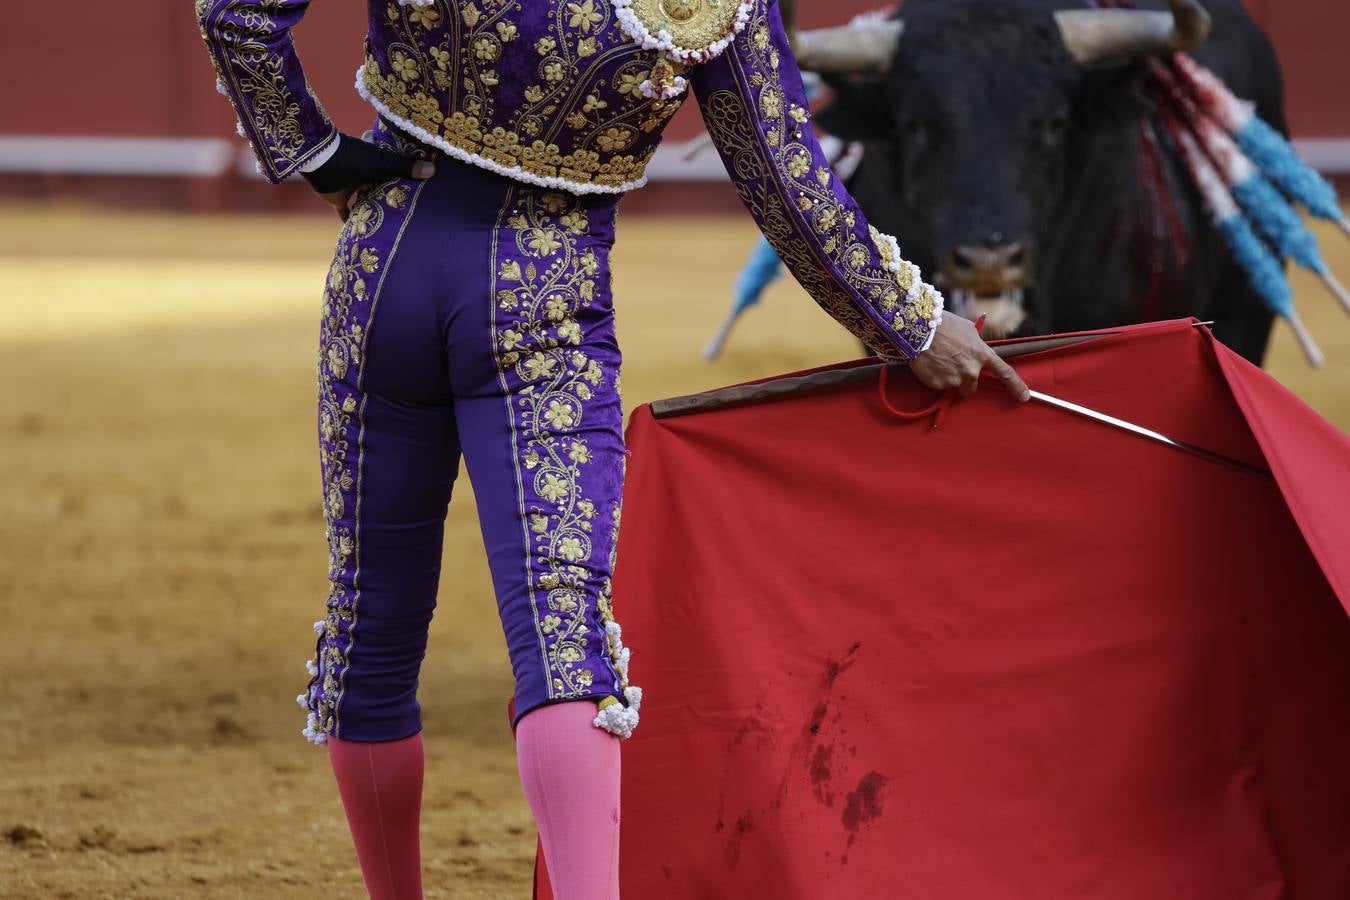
801, 212
353, 280
542, 284
271, 113
578, 121
694, 24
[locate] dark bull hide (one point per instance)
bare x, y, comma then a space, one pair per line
1014, 155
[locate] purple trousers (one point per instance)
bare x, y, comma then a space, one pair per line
468, 314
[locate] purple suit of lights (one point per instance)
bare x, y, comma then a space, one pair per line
472, 313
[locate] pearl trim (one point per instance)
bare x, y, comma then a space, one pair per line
894, 263
621, 654
613, 716
311, 732
513, 172
674, 89
642, 36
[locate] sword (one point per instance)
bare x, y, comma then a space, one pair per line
1132, 428
778, 387
1149, 433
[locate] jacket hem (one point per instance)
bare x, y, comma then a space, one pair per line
516, 173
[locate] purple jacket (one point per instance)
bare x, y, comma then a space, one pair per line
574, 95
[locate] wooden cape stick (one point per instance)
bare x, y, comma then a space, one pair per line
755, 393
767, 390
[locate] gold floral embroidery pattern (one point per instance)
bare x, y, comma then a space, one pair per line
579, 122
797, 200
351, 298
268, 110
544, 280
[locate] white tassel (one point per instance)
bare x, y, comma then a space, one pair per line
618, 719
312, 732
318, 627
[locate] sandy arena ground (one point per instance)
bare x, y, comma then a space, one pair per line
164, 558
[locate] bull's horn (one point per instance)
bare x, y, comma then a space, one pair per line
850, 49
1099, 35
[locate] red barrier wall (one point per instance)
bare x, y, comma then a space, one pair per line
83, 70
1310, 36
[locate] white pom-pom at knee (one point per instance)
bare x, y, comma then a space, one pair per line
618, 719
312, 732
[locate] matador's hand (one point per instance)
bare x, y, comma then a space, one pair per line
359, 162
956, 358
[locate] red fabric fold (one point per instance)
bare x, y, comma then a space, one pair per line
1309, 457
1024, 655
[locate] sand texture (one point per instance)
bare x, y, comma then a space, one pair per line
163, 549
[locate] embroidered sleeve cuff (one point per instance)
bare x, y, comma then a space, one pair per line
258, 69
920, 303
755, 106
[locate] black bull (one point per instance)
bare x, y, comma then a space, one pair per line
1042, 191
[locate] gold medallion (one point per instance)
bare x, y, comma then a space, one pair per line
693, 25
681, 10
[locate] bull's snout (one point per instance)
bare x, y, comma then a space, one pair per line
988, 269
989, 280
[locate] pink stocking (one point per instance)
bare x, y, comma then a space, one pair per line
570, 772
381, 788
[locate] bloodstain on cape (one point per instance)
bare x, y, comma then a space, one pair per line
1023, 655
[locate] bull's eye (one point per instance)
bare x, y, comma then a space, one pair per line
1052, 129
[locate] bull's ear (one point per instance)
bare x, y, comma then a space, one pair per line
858, 110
